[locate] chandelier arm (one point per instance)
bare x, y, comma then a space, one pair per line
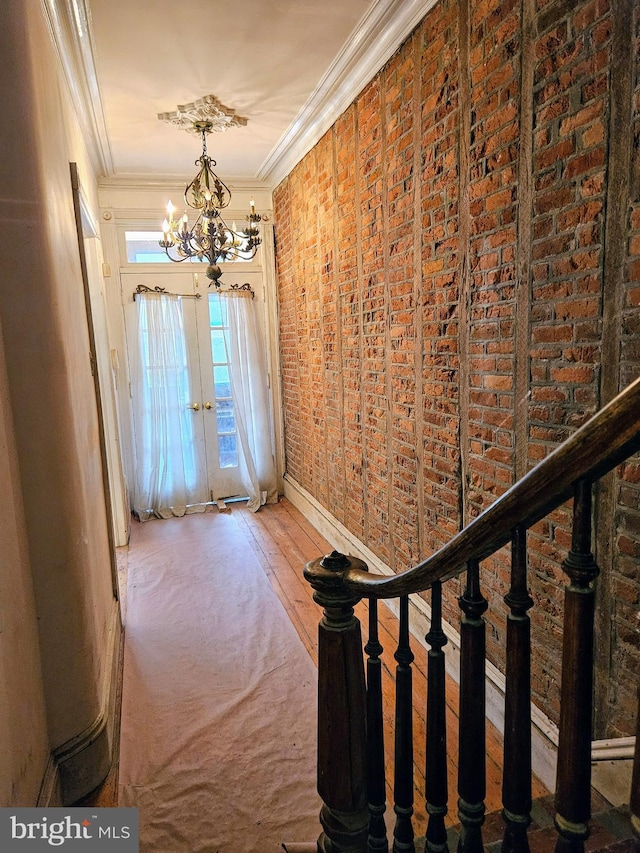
176, 260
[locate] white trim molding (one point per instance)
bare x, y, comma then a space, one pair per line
379, 34
78, 766
69, 23
616, 749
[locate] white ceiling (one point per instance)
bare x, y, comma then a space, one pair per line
261, 58
288, 66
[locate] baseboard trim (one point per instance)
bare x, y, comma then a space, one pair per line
50, 795
616, 749
544, 734
77, 767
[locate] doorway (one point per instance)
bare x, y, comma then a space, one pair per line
208, 428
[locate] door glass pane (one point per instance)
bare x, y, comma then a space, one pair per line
228, 450
218, 348
225, 414
221, 380
217, 312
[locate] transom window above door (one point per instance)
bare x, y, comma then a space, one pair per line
142, 247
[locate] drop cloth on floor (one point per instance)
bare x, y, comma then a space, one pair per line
219, 697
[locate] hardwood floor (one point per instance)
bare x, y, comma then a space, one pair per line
283, 541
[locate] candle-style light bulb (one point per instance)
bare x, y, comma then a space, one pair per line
170, 209
253, 207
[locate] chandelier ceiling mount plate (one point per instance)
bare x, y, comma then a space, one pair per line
208, 109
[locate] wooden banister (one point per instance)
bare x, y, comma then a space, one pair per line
599, 445
351, 779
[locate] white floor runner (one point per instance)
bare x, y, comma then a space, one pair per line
219, 697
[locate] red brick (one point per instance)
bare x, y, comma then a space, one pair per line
371, 338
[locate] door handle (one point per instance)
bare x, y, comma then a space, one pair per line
194, 406
208, 405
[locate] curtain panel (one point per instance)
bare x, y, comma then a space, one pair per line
168, 480
248, 375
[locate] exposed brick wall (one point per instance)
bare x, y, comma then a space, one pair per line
447, 295
570, 127
438, 319
346, 182
570, 110
494, 132
401, 80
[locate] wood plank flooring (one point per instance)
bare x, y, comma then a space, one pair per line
283, 541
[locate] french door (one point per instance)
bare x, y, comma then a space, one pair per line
211, 430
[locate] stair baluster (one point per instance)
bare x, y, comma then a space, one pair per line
342, 743
436, 789
377, 841
471, 751
573, 787
634, 801
403, 752
339, 582
516, 779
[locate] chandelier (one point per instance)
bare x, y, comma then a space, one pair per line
210, 238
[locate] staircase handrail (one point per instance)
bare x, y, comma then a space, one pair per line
604, 441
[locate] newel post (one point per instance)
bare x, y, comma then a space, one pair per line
342, 738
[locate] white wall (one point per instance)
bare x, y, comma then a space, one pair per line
55, 489
23, 724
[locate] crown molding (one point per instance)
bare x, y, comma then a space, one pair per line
69, 23
379, 34
132, 181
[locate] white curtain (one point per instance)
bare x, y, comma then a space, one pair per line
167, 480
248, 375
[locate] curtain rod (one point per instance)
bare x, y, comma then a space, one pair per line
142, 288
231, 288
